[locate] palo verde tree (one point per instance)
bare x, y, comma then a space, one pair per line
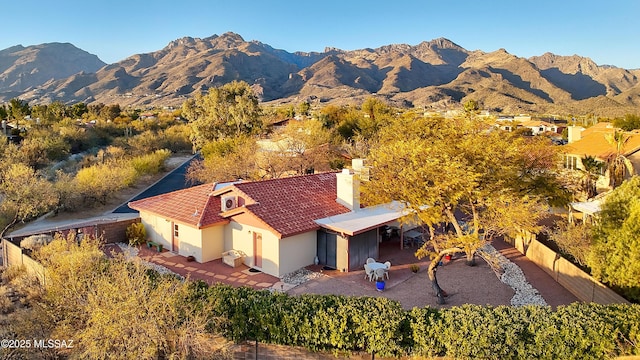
25, 195
226, 111
480, 180
226, 159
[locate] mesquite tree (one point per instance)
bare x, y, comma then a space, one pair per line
480, 181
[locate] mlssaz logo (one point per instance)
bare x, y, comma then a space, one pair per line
53, 344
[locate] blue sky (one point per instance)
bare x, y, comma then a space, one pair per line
605, 31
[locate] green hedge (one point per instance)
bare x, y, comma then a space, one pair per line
344, 324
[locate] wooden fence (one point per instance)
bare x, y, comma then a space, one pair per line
13, 255
571, 277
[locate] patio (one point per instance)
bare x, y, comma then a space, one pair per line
211, 272
401, 260
217, 272
476, 285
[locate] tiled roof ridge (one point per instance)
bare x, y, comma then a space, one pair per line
288, 177
205, 209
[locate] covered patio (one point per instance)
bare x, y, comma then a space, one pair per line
585, 210
347, 240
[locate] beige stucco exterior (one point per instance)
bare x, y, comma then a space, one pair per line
297, 252
203, 244
212, 243
279, 256
342, 252
158, 229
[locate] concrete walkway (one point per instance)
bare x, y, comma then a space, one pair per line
211, 272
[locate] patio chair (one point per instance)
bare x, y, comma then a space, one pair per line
370, 260
388, 265
368, 272
379, 274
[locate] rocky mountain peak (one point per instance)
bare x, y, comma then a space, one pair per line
431, 74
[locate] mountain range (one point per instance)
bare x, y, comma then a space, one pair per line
436, 74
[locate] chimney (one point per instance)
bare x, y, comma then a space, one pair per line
574, 133
348, 189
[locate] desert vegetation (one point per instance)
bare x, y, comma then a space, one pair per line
117, 308
67, 158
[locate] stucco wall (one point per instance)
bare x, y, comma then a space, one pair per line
240, 237
212, 243
190, 241
635, 160
158, 229
279, 257
342, 253
297, 252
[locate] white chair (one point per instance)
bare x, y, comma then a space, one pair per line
379, 274
368, 272
370, 260
388, 266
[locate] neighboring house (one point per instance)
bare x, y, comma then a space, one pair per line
279, 225
593, 142
539, 127
536, 127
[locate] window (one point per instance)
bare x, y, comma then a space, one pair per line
175, 230
570, 162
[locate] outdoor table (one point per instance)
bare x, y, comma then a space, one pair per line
413, 236
376, 265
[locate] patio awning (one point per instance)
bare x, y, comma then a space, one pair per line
587, 207
365, 219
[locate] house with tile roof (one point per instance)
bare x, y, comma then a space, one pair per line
539, 127
593, 142
278, 225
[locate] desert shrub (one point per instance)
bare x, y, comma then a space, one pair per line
6, 305
28, 287
176, 138
99, 181
35, 242
574, 240
115, 308
136, 234
13, 272
150, 164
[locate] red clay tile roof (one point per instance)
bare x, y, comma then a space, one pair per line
181, 206
290, 205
